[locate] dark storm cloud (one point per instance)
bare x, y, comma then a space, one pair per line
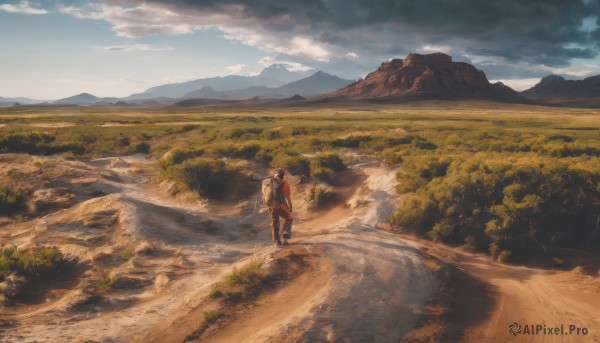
535, 31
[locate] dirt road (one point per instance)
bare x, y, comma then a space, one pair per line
365, 285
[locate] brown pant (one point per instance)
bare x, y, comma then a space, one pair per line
284, 212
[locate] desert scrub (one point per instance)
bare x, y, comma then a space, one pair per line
324, 167
209, 177
105, 282
17, 268
11, 199
212, 316
292, 162
241, 283
318, 196
509, 205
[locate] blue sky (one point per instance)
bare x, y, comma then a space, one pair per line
55, 49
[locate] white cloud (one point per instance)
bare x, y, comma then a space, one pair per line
266, 61
23, 7
131, 22
132, 48
436, 48
289, 65
352, 55
267, 41
235, 69
306, 46
143, 19
295, 66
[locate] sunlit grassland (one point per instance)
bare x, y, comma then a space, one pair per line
503, 178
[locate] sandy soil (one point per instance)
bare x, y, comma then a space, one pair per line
363, 285
490, 296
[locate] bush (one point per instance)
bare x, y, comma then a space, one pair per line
105, 283
324, 167
212, 316
210, 178
249, 279
23, 266
293, 163
249, 274
142, 147
11, 200
173, 157
514, 206
319, 196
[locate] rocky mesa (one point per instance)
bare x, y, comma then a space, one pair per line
429, 76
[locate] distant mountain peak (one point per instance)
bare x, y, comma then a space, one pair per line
552, 78
556, 89
275, 75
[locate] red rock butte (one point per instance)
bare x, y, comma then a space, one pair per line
431, 75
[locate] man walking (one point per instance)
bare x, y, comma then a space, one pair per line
284, 210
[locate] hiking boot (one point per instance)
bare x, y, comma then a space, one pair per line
278, 243
285, 242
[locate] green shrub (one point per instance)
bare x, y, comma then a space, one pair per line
390, 158
293, 163
249, 278
210, 178
29, 263
504, 256
319, 196
105, 283
142, 147
215, 292
249, 274
173, 157
212, 316
509, 204
123, 141
351, 141
25, 266
11, 200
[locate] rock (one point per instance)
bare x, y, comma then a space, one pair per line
431, 76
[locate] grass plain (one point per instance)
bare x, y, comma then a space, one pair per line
493, 177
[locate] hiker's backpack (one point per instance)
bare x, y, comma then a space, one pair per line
270, 192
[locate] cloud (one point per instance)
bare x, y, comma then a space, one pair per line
266, 61
533, 32
23, 7
436, 48
295, 66
132, 48
289, 65
235, 69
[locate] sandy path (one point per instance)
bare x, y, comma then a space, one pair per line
491, 296
366, 284
378, 285
375, 289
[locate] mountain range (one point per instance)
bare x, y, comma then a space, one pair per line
556, 90
317, 83
429, 76
275, 75
20, 101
